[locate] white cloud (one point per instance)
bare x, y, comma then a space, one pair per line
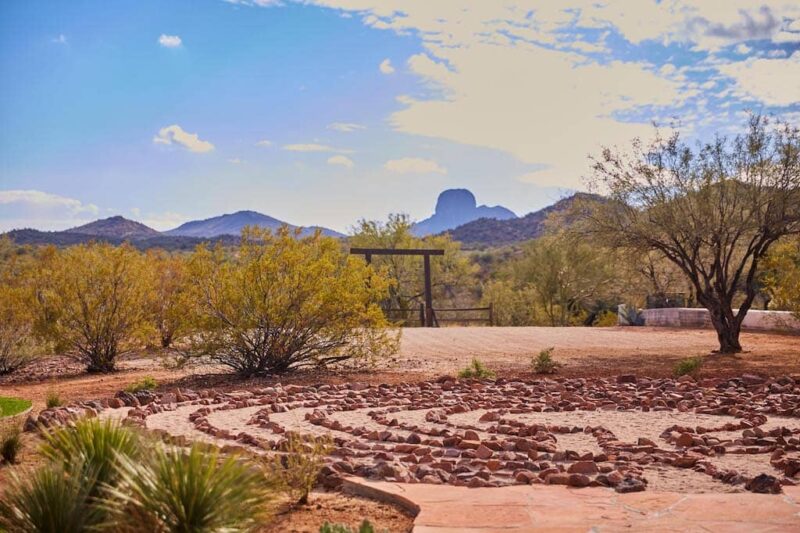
169, 41
61, 39
27, 208
345, 127
771, 81
235, 161
260, 3
742, 49
164, 221
341, 160
176, 134
414, 165
386, 67
265, 143
313, 147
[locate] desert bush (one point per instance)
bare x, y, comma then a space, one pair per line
513, 306
18, 344
10, 445
97, 446
297, 469
175, 490
544, 362
92, 301
281, 302
365, 527
477, 370
689, 366
146, 383
166, 302
51, 499
781, 276
53, 400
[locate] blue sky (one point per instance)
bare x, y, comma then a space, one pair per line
327, 111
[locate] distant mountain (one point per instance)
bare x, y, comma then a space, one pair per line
456, 207
493, 232
233, 223
66, 238
115, 227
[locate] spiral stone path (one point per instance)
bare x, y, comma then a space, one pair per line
557, 453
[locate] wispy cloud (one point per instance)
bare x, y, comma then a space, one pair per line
175, 134
314, 147
264, 143
169, 41
346, 127
341, 160
29, 208
414, 165
61, 39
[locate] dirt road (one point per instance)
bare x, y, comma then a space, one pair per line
430, 352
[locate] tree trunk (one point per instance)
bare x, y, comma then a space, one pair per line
727, 331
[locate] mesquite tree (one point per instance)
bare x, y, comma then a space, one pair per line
280, 302
713, 210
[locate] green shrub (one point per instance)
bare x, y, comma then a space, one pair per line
186, 491
365, 527
297, 470
53, 400
544, 362
690, 366
477, 370
146, 383
10, 445
97, 445
51, 499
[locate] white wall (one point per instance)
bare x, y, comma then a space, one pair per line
699, 318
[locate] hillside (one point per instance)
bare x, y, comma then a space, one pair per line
493, 232
455, 207
116, 228
233, 223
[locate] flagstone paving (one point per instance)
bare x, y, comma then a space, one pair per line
446, 509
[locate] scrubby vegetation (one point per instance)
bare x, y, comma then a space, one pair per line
544, 362
53, 400
146, 383
364, 527
689, 366
297, 468
10, 444
476, 370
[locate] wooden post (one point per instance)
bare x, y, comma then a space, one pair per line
422, 315
428, 292
491, 314
368, 257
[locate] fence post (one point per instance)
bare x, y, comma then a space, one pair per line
491, 314
422, 314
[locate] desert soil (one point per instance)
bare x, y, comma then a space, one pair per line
427, 353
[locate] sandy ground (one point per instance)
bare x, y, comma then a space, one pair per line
426, 353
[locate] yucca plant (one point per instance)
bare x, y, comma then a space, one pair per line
98, 445
53, 499
196, 491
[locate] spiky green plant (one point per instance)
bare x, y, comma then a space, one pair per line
10, 445
53, 400
98, 445
690, 366
50, 500
477, 370
196, 491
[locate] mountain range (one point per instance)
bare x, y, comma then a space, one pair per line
456, 213
455, 207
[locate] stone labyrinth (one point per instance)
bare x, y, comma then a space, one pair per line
628, 434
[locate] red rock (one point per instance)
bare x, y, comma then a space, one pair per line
483, 452
579, 480
583, 467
